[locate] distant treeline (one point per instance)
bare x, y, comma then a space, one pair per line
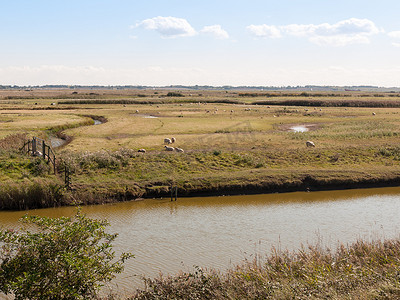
203, 87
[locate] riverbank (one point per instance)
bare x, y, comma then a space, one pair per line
125, 175
363, 270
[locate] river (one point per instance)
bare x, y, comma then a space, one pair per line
219, 232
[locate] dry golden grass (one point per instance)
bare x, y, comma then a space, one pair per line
198, 126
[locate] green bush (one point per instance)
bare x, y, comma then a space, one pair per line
66, 258
175, 94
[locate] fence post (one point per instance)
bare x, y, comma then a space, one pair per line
33, 146
44, 150
67, 178
174, 193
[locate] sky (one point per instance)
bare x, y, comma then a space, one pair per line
187, 42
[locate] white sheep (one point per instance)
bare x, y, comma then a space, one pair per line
373, 114
310, 144
179, 150
142, 150
173, 140
167, 148
167, 141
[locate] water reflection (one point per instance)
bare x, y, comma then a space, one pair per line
221, 231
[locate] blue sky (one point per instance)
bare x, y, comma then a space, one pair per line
219, 42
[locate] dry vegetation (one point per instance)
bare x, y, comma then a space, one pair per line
361, 271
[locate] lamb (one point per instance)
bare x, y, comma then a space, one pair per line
173, 140
310, 144
179, 150
167, 141
167, 148
142, 150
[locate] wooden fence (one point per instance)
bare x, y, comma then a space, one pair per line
38, 147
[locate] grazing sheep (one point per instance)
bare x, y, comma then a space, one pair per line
179, 150
173, 140
167, 141
142, 150
137, 111
310, 144
373, 114
169, 148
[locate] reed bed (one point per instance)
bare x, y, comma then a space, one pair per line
363, 270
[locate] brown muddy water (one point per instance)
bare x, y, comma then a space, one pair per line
220, 232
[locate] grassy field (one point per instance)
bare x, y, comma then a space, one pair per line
234, 142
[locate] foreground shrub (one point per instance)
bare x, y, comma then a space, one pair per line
67, 258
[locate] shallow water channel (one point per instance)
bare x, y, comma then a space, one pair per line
222, 231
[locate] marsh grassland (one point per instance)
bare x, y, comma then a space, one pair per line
233, 143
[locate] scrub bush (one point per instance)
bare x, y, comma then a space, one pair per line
64, 258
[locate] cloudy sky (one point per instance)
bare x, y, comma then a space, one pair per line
218, 42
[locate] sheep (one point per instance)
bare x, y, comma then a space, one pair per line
169, 148
310, 144
179, 150
142, 150
137, 111
373, 114
173, 140
167, 141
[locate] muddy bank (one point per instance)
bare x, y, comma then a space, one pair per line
83, 194
303, 182
308, 183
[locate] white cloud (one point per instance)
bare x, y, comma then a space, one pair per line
394, 34
168, 27
339, 40
264, 31
350, 31
215, 31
